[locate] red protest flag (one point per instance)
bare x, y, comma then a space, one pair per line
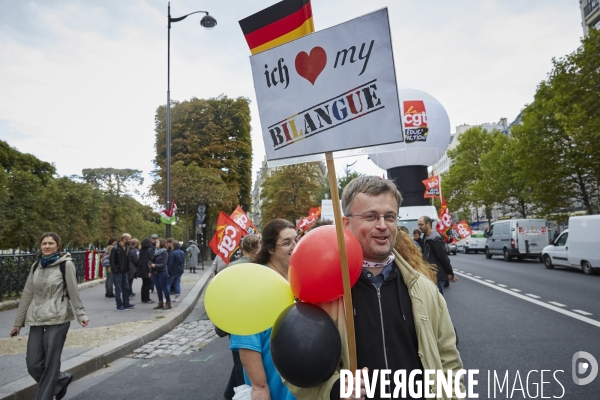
306, 222
463, 229
278, 24
444, 219
227, 238
432, 187
242, 219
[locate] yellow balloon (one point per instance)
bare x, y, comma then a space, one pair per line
245, 299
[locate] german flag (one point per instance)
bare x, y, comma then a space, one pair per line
278, 24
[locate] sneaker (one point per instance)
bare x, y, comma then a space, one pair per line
149, 302
132, 295
121, 308
130, 306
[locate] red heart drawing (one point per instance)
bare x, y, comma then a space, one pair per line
310, 66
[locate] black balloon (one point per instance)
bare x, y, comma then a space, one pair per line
305, 345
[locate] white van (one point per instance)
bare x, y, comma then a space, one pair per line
474, 243
521, 238
576, 247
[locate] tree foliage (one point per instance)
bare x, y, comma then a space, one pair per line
551, 162
290, 192
214, 135
114, 181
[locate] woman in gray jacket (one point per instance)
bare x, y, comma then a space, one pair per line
46, 306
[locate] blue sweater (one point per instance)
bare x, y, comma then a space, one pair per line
176, 262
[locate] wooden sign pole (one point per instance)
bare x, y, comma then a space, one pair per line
339, 228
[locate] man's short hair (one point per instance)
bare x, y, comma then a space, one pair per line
370, 185
427, 220
125, 235
403, 229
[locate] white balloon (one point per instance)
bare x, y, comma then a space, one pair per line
421, 149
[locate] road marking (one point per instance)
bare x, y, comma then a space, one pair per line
582, 312
501, 285
470, 274
557, 304
206, 359
540, 303
487, 280
478, 277
533, 295
515, 290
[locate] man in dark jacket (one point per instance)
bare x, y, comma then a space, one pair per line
434, 251
119, 263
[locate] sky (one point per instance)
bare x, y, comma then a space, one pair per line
80, 81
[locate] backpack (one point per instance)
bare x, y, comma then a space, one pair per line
106, 260
63, 267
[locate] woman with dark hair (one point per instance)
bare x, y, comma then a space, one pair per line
145, 270
160, 274
277, 243
46, 306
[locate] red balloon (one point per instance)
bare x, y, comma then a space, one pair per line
315, 273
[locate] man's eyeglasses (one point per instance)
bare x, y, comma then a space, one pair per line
390, 218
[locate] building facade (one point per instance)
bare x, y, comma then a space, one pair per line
590, 15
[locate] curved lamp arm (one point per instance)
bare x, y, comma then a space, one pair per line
185, 16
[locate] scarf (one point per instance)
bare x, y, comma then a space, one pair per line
48, 260
370, 264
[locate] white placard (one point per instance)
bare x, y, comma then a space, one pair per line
331, 90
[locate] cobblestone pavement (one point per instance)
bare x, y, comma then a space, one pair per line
186, 338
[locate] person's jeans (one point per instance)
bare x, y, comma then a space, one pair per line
237, 376
160, 283
108, 283
441, 286
174, 280
121, 281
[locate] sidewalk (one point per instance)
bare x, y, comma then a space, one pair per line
111, 334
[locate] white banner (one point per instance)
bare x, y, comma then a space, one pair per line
331, 90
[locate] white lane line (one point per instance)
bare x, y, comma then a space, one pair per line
501, 285
470, 274
515, 290
533, 295
557, 304
540, 303
487, 280
478, 277
582, 312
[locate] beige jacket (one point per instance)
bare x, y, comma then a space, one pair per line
435, 333
42, 300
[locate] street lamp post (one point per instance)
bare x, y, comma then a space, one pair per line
207, 22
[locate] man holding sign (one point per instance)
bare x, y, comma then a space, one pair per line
401, 319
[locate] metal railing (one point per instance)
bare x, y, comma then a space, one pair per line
589, 7
15, 268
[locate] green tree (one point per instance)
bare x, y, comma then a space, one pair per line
464, 185
214, 134
113, 181
290, 192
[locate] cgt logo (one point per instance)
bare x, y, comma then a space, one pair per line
415, 121
581, 368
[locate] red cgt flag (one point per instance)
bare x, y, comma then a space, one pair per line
242, 219
227, 238
444, 220
305, 223
463, 229
432, 187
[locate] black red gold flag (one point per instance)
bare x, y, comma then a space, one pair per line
278, 24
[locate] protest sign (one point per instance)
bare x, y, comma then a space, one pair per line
227, 239
329, 91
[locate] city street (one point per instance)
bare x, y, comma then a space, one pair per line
516, 317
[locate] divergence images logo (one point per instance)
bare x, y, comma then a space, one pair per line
415, 121
581, 367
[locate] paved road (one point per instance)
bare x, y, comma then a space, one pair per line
501, 331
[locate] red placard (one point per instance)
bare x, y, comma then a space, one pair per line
432, 187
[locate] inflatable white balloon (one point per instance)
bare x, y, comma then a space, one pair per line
426, 132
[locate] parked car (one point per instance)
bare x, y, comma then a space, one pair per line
474, 243
576, 247
521, 238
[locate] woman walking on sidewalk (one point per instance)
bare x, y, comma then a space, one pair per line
160, 274
175, 267
46, 306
